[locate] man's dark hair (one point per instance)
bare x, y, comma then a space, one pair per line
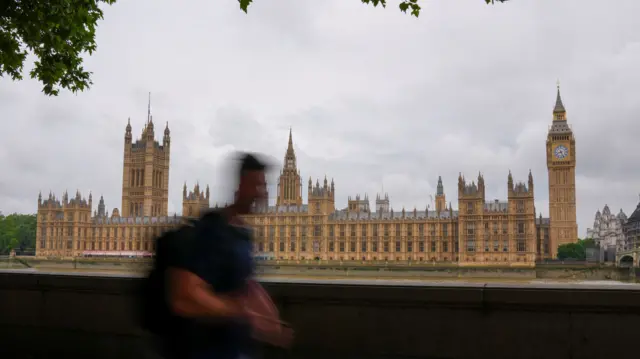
249, 162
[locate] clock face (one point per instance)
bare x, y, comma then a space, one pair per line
561, 152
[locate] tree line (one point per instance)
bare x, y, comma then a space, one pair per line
17, 231
577, 250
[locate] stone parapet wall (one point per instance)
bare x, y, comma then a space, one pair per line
85, 316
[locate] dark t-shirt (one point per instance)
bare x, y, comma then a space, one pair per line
220, 254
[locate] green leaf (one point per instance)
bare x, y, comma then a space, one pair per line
244, 4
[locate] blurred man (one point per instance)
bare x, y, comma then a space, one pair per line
210, 289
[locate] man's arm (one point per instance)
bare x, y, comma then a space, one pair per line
190, 296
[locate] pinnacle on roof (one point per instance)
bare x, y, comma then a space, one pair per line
440, 188
559, 107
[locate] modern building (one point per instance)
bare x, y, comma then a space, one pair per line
480, 231
607, 233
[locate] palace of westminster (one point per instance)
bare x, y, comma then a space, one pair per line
477, 233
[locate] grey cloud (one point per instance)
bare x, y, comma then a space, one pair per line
377, 100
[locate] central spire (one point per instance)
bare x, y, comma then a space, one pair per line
149, 109
559, 107
290, 145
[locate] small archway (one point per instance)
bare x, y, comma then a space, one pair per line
626, 261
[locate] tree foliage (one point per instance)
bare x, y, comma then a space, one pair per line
59, 32
576, 250
405, 6
17, 231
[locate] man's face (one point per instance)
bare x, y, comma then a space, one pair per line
253, 187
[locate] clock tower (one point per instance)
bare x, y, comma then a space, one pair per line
561, 166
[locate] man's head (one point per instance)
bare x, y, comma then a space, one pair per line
252, 184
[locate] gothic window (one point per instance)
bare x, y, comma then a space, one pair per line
363, 245
398, 233
398, 246
303, 246
410, 246
342, 245
522, 246
410, 230
363, 230
421, 246
292, 246
469, 208
316, 246
445, 246
281, 241
331, 246
352, 246
434, 246
386, 246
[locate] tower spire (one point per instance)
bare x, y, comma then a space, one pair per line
149, 109
290, 145
559, 107
440, 190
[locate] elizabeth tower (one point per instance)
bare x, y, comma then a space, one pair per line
561, 165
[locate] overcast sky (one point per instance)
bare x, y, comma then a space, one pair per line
376, 99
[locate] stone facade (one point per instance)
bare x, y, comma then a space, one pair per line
561, 165
480, 231
607, 233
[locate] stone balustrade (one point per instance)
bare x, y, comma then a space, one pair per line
53, 315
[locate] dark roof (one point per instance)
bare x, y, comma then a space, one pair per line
559, 108
635, 216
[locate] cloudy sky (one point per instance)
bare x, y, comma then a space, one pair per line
376, 99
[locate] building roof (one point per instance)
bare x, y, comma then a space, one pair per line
635, 216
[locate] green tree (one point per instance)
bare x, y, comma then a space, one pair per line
576, 250
59, 32
17, 231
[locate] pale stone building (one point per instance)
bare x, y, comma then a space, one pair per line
481, 231
607, 232
561, 166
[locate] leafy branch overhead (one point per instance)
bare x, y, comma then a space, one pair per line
59, 32
406, 5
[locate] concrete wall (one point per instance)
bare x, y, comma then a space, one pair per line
83, 316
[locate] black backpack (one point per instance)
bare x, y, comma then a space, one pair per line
155, 314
